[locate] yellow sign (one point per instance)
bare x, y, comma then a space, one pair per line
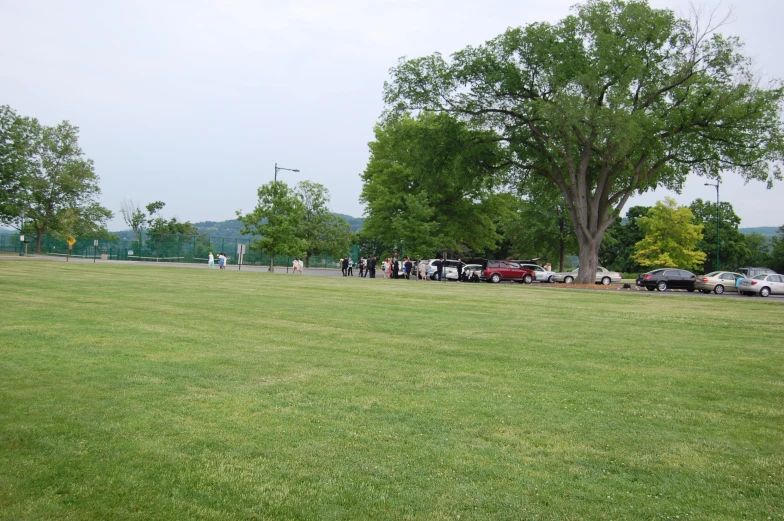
71, 241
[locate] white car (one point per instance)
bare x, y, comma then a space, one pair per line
603, 276
542, 275
762, 285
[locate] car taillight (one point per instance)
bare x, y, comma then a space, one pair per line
704, 280
753, 282
647, 277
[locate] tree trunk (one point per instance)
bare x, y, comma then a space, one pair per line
38, 243
307, 260
589, 257
272, 262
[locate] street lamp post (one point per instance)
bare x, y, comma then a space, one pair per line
277, 169
718, 210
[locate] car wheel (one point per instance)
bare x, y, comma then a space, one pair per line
661, 286
706, 291
719, 289
551, 279
650, 288
496, 278
764, 292
528, 279
606, 281
568, 280
690, 290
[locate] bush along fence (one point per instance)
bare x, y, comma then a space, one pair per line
159, 248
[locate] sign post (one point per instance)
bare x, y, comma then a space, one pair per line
240, 255
21, 245
71, 241
95, 249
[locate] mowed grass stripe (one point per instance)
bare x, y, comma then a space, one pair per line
163, 393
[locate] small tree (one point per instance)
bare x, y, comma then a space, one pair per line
134, 217
671, 237
322, 231
277, 219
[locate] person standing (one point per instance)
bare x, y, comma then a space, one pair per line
372, 267
350, 267
211, 260
221, 261
395, 269
460, 266
427, 271
361, 267
407, 267
344, 266
439, 268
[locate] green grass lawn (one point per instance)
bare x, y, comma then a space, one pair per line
140, 392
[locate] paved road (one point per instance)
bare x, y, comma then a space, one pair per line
330, 272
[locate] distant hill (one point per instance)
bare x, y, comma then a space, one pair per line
231, 229
767, 231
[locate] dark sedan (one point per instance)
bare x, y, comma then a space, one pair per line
667, 278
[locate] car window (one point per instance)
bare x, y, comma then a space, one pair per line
760, 277
514, 265
727, 276
774, 278
492, 264
686, 274
712, 274
670, 273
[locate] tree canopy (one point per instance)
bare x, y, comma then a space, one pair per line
426, 186
46, 177
670, 237
616, 99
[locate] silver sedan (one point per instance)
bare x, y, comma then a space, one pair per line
603, 276
718, 282
762, 285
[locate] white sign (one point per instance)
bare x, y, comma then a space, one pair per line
21, 238
95, 242
240, 249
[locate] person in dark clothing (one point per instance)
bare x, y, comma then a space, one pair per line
408, 266
460, 266
345, 266
439, 265
372, 267
395, 267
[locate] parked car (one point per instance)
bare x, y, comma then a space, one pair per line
762, 285
541, 274
470, 269
449, 269
667, 278
603, 276
498, 270
718, 282
750, 273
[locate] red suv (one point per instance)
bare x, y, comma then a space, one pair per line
498, 270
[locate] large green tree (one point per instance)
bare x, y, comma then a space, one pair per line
276, 220
616, 99
733, 250
670, 237
47, 178
322, 231
427, 184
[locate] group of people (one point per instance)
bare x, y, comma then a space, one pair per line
221, 260
297, 266
394, 268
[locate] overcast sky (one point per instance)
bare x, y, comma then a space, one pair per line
192, 102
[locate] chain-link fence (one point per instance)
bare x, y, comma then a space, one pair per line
157, 248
